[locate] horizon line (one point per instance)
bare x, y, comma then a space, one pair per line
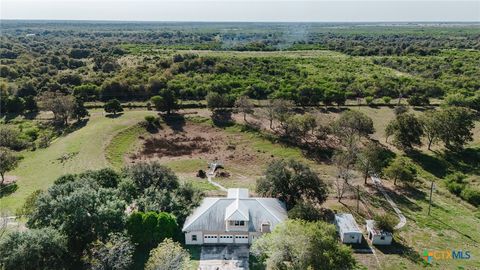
236, 21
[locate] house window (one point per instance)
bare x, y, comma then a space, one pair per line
194, 237
382, 237
236, 223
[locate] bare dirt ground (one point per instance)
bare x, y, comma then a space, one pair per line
194, 145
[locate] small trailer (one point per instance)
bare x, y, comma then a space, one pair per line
376, 236
348, 229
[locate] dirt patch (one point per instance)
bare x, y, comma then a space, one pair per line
201, 141
9, 179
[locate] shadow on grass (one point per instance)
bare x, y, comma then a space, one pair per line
402, 201
111, 115
402, 250
175, 121
431, 164
73, 127
7, 189
467, 160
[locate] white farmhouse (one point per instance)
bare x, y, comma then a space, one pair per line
348, 229
235, 219
376, 236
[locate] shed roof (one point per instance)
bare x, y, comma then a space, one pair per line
346, 223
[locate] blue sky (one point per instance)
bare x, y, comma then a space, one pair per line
246, 10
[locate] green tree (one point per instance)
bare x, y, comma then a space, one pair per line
11, 137
116, 253
153, 187
42, 249
29, 206
80, 208
370, 160
166, 101
455, 127
401, 169
113, 106
169, 255
61, 105
86, 92
145, 175
297, 244
306, 211
309, 95
149, 229
352, 126
431, 124
406, 130
292, 181
79, 111
216, 101
8, 162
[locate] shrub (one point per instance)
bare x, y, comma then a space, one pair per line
455, 183
369, 100
471, 195
387, 100
151, 122
385, 222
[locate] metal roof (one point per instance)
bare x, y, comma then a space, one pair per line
346, 223
237, 193
237, 210
213, 211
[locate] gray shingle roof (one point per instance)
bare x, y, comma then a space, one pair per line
210, 215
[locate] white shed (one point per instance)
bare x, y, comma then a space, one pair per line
378, 237
348, 229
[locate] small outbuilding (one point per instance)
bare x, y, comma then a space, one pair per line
376, 236
348, 229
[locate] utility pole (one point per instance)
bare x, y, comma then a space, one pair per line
430, 204
358, 198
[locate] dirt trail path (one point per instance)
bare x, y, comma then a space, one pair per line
211, 174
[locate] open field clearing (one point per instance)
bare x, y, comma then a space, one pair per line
187, 143
78, 151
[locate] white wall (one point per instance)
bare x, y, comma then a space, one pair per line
188, 238
376, 240
351, 238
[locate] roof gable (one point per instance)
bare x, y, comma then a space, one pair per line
237, 210
211, 214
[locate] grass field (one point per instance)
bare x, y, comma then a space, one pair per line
453, 223
84, 147
122, 143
